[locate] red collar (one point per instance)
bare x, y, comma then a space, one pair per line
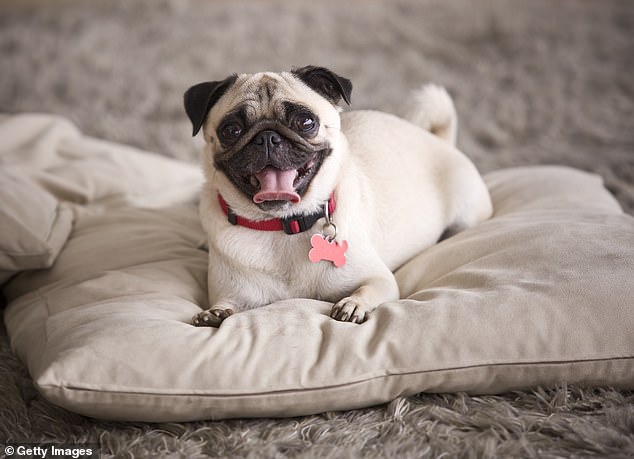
290, 225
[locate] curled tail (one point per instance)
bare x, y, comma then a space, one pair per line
432, 108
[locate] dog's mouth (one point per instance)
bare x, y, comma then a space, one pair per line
273, 184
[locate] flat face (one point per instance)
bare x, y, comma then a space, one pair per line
269, 136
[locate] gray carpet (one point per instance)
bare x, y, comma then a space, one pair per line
539, 82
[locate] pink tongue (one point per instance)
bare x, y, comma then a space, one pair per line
276, 185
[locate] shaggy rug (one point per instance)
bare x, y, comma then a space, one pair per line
537, 82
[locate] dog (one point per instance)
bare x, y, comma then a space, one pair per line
302, 199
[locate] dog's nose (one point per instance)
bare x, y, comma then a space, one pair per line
267, 140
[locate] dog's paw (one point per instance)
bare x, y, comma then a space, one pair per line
211, 317
350, 309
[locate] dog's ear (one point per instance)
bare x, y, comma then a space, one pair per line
326, 82
201, 97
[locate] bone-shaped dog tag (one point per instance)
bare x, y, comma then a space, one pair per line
329, 250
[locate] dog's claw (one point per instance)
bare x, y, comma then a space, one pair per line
349, 310
211, 317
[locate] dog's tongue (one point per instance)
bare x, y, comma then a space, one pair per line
276, 185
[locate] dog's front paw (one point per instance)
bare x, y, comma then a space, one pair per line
211, 317
350, 309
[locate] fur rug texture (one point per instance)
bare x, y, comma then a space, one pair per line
539, 82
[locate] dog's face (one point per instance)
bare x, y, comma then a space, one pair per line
269, 134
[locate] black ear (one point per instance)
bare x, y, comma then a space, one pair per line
201, 97
326, 82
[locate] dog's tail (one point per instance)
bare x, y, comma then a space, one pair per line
432, 108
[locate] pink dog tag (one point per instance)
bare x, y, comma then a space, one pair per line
323, 249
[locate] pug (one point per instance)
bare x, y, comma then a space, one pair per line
303, 200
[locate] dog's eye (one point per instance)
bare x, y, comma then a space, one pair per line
303, 122
230, 131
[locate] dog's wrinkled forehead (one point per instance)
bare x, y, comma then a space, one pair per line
261, 95
265, 96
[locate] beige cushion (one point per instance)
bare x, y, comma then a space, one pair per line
33, 224
38, 224
46, 166
539, 294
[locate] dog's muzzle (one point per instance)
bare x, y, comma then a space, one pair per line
272, 164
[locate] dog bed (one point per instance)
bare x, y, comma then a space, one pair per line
103, 266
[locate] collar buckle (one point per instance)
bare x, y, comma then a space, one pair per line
299, 224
